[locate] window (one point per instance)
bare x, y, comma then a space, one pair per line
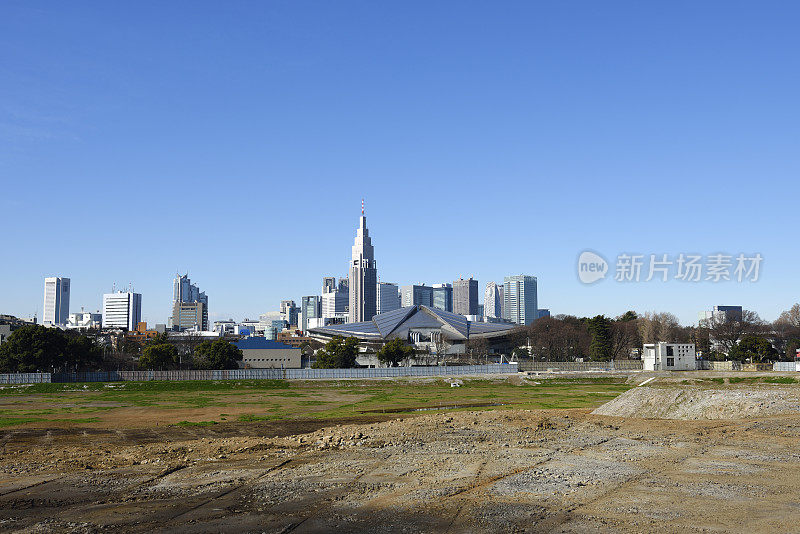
670, 351
670, 362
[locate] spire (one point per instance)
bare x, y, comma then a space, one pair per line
362, 206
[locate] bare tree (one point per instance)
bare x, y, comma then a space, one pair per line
655, 327
726, 329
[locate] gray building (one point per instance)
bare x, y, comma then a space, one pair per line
261, 353
493, 300
521, 304
465, 296
289, 311
122, 309
443, 297
310, 308
388, 297
363, 276
328, 284
56, 300
188, 300
416, 295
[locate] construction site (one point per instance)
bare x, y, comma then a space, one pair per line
558, 452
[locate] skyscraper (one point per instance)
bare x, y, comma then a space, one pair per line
56, 300
189, 304
416, 295
465, 296
493, 300
443, 297
310, 308
363, 277
289, 312
122, 309
388, 297
520, 300
328, 284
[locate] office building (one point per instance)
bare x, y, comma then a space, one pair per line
363, 276
493, 300
335, 305
520, 300
56, 300
388, 297
328, 284
122, 309
289, 311
188, 303
84, 320
416, 295
443, 297
310, 308
543, 312
465, 296
720, 314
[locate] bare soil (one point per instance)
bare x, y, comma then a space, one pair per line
467, 471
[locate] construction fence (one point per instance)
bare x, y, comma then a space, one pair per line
258, 374
618, 365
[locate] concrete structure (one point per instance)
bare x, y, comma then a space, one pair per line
465, 296
122, 309
363, 276
416, 295
669, 357
56, 300
310, 308
442, 297
388, 297
84, 320
184, 292
5, 331
260, 353
493, 300
428, 329
520, 299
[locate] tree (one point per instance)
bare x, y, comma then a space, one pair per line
476, 348
601, 346
394, 352
624, 333
791, 349
83, 352
791, 316
218, 354
521, 353
655, 327
33, 348
727, 329
162, 357
338, 353
753, 348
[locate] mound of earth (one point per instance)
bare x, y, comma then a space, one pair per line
700, 403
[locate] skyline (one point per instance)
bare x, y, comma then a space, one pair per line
487, 143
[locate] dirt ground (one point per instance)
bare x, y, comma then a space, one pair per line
467, 471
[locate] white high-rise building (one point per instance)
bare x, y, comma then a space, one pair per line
56, 301
363, 276
122, 309
493, 300
388, 297
520, 299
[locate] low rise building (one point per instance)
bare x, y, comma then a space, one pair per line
669, 357
261, 353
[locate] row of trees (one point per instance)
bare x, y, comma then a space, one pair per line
35, 348
745, 337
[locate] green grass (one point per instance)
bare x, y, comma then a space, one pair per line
262, 400
196, 423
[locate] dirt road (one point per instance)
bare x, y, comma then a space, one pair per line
495, 471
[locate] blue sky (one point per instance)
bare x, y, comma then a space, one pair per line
235, 140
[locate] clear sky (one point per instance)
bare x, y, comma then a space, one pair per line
235, 140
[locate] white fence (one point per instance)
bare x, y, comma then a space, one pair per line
258, 374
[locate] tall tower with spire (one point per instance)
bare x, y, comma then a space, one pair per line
363, 275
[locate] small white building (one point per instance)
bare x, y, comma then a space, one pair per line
261, 353
664, 356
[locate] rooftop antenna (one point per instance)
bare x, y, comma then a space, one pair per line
362, 206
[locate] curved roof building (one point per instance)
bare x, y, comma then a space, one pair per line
416, 324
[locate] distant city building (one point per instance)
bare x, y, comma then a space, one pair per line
363, 277
289, 311
543, 312
520, 299
122, 309
443, 297
189, 305
493, 300
416, 295
84, 320
465, 296
388, 297
669, 357
56, 300
5, 332
721, 314
310, 308
480, 311
328, 284
335, 305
